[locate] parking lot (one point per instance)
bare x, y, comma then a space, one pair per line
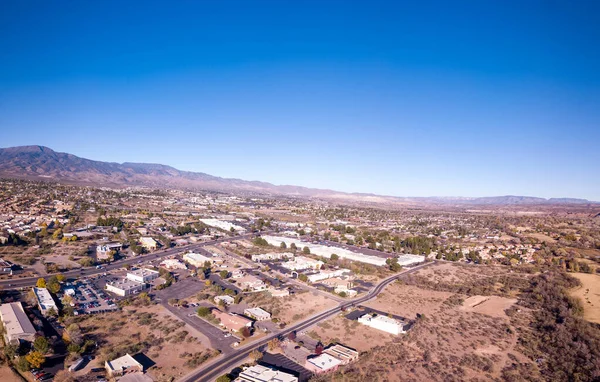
88, 298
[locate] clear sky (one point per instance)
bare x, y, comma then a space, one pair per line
450, 98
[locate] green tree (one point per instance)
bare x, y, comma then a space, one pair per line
255, 355
283, 245
293, 247
41, 345
22, 364
224, 378
203, 311
306, 250
224, 273
334, 257
303, 277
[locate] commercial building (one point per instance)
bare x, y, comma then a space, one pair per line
123, 365
406, 260
45, 301
227, 300
260, 373
232, 322
16, 323
125, 287
143, 275
272, 256
224, 225
258, 314
326, 251
343, 353
384, 323
324, 275
173, 264
322, 363
149, 243
196, 259
251, 283
301, 262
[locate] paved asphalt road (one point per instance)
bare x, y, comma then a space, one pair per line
222, 365
31, 281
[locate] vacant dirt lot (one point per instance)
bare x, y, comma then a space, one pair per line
493, 306
302, 305
7, 375
173, 346
350, 333
589, 293
407, 300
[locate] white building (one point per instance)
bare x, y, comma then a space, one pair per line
326, 251
196, 259
173, 264
408, 259
301, 262
259, 373
44, 300
224, 225
227, 300
278, 292
143, 275
125, 287
149, 243
123, 365
258, 314
384, 323
322, 363
324, 275
251, 283
16, 323
272, 256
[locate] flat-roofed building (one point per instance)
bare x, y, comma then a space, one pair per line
45, 301
322, 363
260, 373
251, 283
227, 300
123, 365
173, 264
272, 256
149, 243
278, 292
105, 250
125, 287
324, 275
143, 275
196, 259
232, 322
343, 353
16, 323
258, 314
384, 323
301, 262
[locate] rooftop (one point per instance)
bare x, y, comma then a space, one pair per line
324, 361
15, 320
124, 362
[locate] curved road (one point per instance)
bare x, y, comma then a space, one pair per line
209, 372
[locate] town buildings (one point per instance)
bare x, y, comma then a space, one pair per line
258, 314
196, 259
173, 264
123, 365
272, 256
143, 275
104, 251
322, 363
381, 322
251, 283
232, 322
227, 300
16, 324
5, 267
260, 373
45, 301
148, 243
324, 275
343, 353
125, 287
300, 263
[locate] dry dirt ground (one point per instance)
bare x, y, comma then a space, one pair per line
349, 333
174, 347
458, 338
299, 306
7, 375
589, 294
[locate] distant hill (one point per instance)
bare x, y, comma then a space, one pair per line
43, 163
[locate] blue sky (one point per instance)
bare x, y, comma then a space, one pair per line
462, 98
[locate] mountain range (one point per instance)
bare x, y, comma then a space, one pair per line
43, 163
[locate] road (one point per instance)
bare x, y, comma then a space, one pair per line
31, 281
222, 365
